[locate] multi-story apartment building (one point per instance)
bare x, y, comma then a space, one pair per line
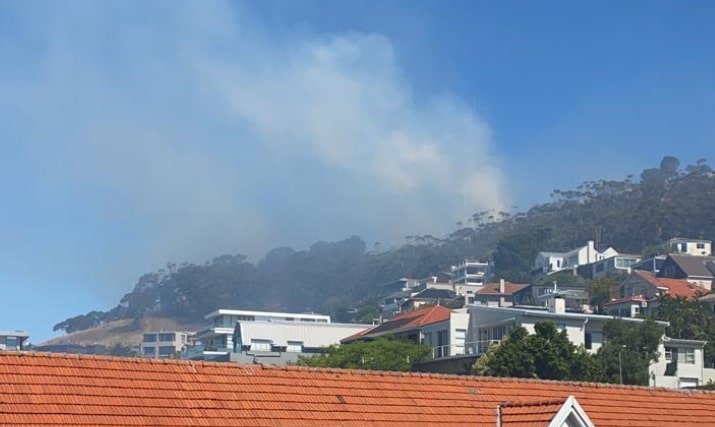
470, 273
216, 338
164, 344
551, 262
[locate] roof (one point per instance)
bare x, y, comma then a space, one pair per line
633, 298
673, 287
406, 321
435, 293
312, 335
269, 314
518, 311
509, 289
50, 389
18, 334
694, 265
552, 412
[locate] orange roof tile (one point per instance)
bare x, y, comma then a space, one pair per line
406, 321
531, 414
674, 287
59, 390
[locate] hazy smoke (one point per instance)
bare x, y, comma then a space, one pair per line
182, 131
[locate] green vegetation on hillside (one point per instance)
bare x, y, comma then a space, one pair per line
336, 277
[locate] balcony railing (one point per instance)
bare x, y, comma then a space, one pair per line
199, 350
474, 348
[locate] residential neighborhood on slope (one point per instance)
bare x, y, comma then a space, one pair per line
463, 312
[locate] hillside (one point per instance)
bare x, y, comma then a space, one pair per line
127, 332
335, 277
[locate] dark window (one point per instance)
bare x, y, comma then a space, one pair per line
167, 337
149, 337
589, 341
167, 350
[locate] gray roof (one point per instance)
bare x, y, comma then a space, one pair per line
695, 266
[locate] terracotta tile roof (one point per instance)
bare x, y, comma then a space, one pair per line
406, 321
493, 289
48, 389
674, 287
531, 414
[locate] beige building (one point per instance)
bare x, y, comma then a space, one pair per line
164, 344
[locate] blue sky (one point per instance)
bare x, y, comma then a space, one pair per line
136, 133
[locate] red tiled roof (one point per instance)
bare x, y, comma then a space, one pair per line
534, 414
674, 287
406, 321
493, 289
47, 389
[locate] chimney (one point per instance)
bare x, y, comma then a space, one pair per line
502, 289
558, 305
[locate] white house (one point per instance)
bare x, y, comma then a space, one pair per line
551, 262
215, 339
680, 364
687, 246
280, 342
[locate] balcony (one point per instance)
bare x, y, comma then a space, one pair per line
200, 351
474, 348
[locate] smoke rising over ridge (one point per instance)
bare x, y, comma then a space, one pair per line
182, 132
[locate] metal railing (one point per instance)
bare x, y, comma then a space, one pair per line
475, 348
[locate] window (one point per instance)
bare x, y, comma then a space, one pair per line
668, 354
303, 319
167, 337
149, 337
700, 246
295, 346
149, 351
588, 341
262, 345
686, 355
167, 350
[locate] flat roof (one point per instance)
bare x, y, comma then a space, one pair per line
232, 312
566, 315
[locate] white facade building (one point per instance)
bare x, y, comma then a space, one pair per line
680, 363
552, 262
469, 273
690, 246
215, 339
13, 340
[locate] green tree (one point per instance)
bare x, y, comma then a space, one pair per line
688, 319
628, 349
601, 290
547, 354
381, 354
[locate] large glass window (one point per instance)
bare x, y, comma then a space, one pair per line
263, 345
149, 337
167, 350
11, 343
294, 346
149, 351
167, 337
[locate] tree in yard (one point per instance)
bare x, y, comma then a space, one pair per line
689, 319
601, 289
548, 354
628, 349
381, 354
